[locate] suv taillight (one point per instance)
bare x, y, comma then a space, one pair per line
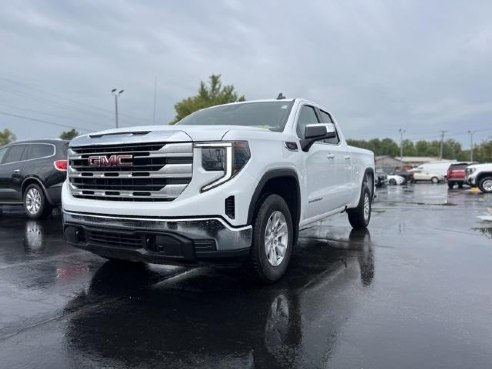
61, 165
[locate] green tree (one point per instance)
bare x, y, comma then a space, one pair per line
408, 148
68, 135
213, 93
6, 136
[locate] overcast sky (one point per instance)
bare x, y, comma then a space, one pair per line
378, 66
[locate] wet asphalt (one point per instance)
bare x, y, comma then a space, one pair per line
415, 291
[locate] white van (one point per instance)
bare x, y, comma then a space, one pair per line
436, 167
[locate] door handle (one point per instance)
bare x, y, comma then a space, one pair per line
17, 171
347, 157
330, 156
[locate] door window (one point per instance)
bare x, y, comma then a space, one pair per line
326, 118
306, 116
14, 154
37, 151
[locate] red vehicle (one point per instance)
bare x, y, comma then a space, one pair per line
456, 174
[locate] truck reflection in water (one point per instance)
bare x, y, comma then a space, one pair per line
135, 317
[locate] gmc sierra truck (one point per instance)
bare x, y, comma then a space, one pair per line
479, 175
230, 184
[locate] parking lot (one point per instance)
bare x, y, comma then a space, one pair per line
413, 292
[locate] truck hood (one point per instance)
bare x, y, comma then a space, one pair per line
160, 134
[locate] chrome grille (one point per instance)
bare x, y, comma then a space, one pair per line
155, 171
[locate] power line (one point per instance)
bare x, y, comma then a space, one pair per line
41, 121
80, 105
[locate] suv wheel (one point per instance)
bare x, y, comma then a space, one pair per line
485, 185
360, 216
450, 185
35, 203
273, 236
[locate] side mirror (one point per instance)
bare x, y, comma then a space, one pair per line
317, 132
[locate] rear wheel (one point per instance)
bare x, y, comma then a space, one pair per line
273, 236
485, 185
451, 185
35, 203
392, 181
360, 216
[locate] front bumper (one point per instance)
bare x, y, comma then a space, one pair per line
156, 240
472, 181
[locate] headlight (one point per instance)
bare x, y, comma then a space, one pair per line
213, 158
229, 157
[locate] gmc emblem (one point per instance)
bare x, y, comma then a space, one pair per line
111, 161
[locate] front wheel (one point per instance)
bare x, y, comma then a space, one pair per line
360, 216
273, 239
485, 185
435, 180
392, 182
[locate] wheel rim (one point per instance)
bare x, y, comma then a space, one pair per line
367, 206
434, 180
33, 201
276, 238
487, 185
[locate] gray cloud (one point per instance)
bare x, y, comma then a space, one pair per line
377, 65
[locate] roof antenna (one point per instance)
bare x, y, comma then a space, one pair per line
280, 96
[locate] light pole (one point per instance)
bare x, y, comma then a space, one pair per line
471, 144
442, 144
402, 131
116, 93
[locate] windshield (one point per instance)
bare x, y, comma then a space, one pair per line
269, 114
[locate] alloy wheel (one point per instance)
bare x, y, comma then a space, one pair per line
276, 238
33, 201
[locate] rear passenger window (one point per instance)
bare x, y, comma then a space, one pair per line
40, 151
14, 154
326, 118
306, 116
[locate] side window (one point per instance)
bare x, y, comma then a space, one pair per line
14, 154
306, 116
326, 118
2, 154
40, 151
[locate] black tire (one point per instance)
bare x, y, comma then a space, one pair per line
451, 185
460, 185
435, 180
392, 182
358, 217
258, 267
36, 205
485, 184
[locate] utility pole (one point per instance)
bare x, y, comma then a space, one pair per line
402, 131
116, 93
442, 144
155, 96
471, 144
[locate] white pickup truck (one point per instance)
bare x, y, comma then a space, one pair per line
234, 183
479, 175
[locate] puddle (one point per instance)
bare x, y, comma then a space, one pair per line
486, 231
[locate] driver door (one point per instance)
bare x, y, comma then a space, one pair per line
320, 168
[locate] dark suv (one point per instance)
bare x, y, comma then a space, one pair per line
32, 174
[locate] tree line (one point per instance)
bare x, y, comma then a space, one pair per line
451, 148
